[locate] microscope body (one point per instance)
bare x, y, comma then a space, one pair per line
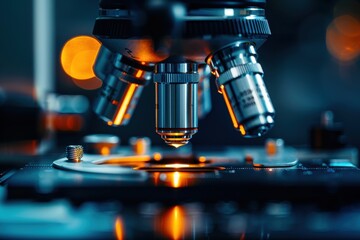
171, 42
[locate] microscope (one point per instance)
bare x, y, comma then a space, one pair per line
219, 192
177, 45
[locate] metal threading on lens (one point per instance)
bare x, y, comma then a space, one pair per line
123, 82
239, 78
176, 101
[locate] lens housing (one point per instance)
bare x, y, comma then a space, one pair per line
123, 81
176, 101
239, 78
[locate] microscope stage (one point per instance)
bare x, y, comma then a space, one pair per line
210, 193
232, 173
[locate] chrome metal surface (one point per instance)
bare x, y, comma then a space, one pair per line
194, 13
176, 112
176, 102
74, 153
226, 12
239, 79
123, 81
204, 95
112, 101
176, 105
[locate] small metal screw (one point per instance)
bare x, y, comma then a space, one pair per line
74, 153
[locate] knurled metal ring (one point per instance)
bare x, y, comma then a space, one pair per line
123, 28
238, 71
176, 77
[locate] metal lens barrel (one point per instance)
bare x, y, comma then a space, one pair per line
240, 81
123, 81
176, 102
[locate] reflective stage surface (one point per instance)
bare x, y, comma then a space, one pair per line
227, 193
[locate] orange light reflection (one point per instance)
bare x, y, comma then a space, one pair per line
242, 130
124, 160
202, 159
66, 122
140, 146
156, 178
228, 105
177, 165
172, 224
157, 156
139, 73
119, 229
125, 104
176, 180
173, 179
105, 150
270, 147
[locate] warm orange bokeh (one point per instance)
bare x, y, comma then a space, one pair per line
78, 57
173, 223
271, 147
202, 159
157, 156
105, 150
66, 122
119, 229
347, 25
343, 38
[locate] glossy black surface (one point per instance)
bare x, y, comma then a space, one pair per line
313, 200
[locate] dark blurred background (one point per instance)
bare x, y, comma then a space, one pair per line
311, 64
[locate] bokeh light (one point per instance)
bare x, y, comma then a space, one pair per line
89, 84
343, 38
347, 25
173, 223
119, 229
78, 57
